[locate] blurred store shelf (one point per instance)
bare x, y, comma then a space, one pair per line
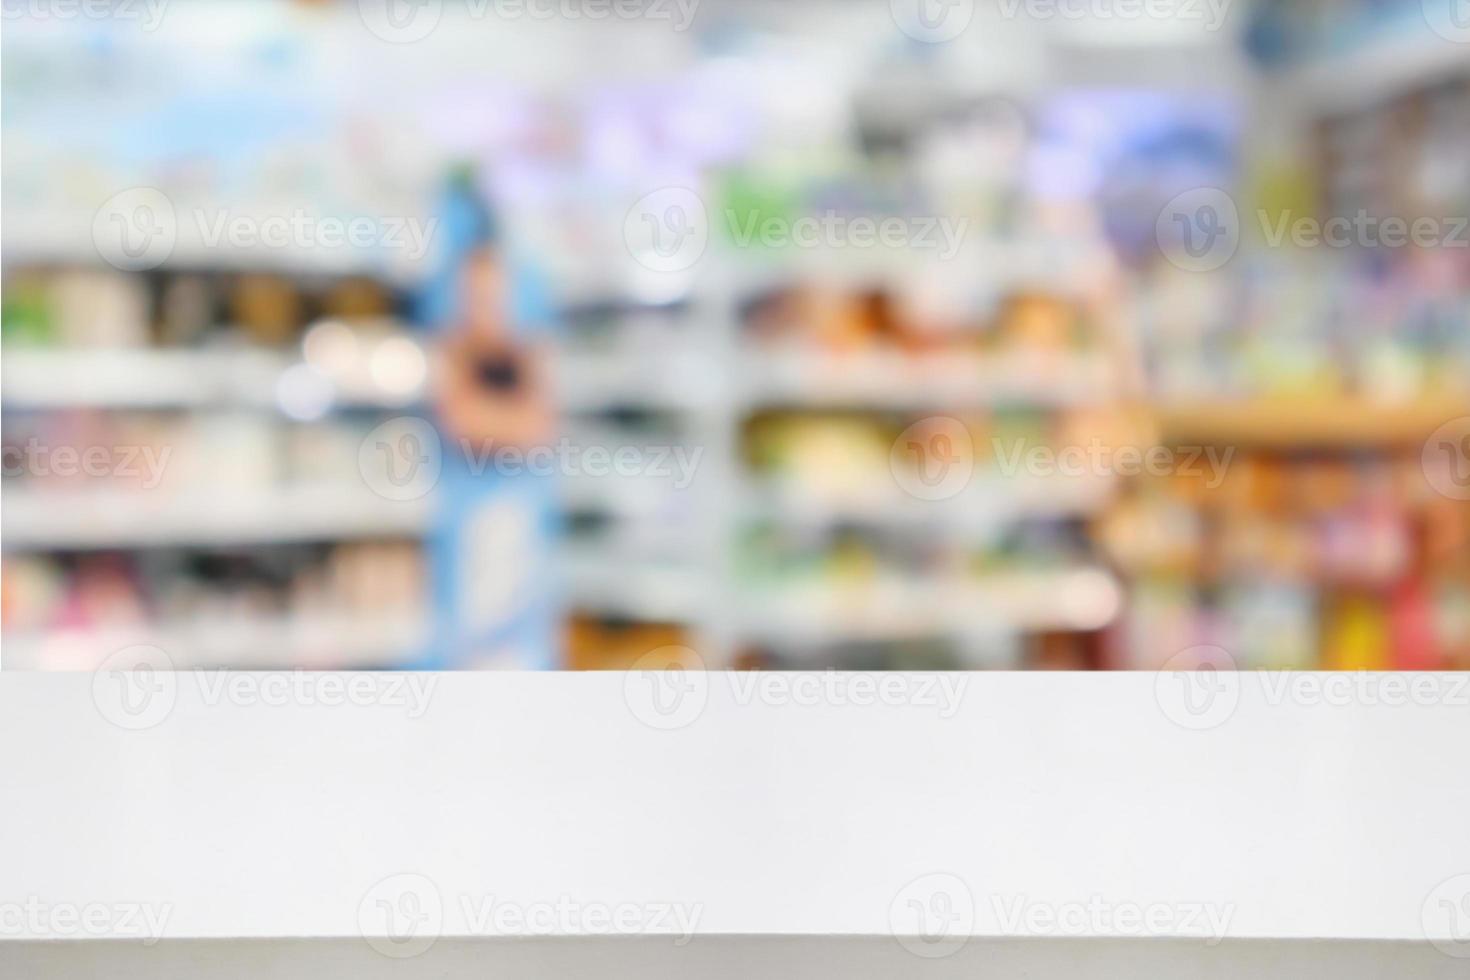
635, 378
624, 498
986, 503
315, 642
899, 382
892, 609
1001, 262
145, 378
1374, 71
646, 590
1308, 421
119, 519
811, 384
46, 237
126, 378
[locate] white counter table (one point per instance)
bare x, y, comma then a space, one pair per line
610, 825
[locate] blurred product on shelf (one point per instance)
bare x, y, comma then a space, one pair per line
186, 412
1297, 561
842, 319
619, 644
324, 606
55, 306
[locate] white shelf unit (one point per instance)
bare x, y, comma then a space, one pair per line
1063, 599
131, 378
200, 380
651, 566
182, 378
898, 382
317, 642
91, 520
714, 381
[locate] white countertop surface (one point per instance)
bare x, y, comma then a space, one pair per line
259, 811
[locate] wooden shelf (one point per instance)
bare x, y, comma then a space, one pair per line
1298, 422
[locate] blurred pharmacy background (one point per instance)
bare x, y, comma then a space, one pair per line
909, 334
